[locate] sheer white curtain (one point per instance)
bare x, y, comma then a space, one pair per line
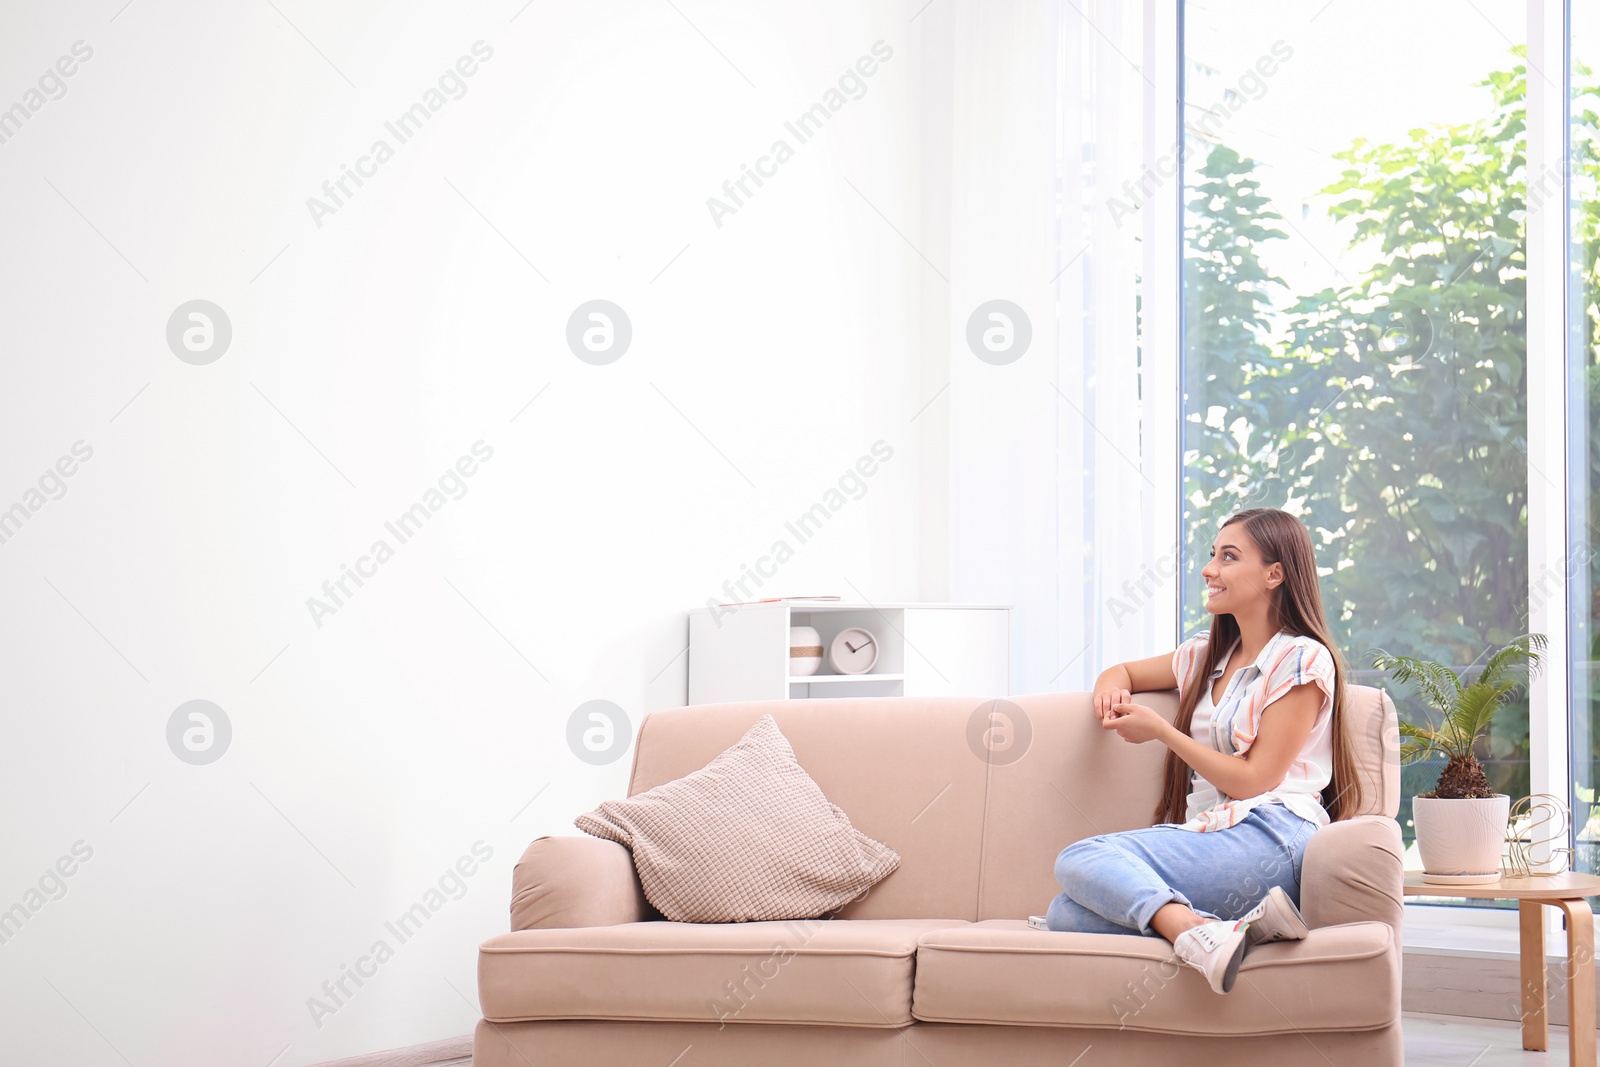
1062, 464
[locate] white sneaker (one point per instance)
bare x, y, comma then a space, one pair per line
1214, 949
1037, 922
1275, 919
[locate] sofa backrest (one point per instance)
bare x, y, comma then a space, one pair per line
1080, 779
899, 767
1077, 780
978, 796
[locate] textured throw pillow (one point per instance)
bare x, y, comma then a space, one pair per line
747, 837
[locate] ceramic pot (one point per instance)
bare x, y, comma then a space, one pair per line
1461, 838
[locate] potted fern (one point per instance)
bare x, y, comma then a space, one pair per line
1461, 825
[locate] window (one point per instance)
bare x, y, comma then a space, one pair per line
1354, 339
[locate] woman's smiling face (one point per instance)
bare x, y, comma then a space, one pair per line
1236, 577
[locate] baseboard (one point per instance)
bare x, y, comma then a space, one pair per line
452, 1050
1484, 987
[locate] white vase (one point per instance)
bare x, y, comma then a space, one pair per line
1461, 839
805, 650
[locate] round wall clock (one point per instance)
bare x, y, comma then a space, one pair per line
854, 651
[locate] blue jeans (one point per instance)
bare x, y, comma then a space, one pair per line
1115, 883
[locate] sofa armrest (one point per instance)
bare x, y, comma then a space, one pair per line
576, 881
1353, 870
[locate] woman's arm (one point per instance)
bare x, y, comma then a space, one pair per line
1285, 725
1117, 684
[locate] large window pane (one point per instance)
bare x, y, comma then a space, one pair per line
1354, 344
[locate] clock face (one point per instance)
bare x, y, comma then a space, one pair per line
854, 651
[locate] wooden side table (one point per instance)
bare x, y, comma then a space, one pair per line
1564, 891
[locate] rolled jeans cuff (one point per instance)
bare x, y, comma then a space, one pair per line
1159, 899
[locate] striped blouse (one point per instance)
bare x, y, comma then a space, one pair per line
1286, 661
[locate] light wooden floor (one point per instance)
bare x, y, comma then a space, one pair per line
1456, 1041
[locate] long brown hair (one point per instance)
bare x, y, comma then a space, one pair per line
1296, 608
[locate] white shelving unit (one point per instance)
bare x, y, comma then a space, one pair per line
923, 650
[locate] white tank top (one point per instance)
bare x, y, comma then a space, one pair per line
1202, 794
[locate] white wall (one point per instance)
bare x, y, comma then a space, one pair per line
372, 752
421, 720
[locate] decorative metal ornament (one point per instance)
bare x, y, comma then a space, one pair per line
1540, 819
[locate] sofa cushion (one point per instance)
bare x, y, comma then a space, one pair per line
840, 972
747, 837
999, 971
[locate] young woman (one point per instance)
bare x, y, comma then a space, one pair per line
1257, 760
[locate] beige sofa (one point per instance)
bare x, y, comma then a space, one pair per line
936, 965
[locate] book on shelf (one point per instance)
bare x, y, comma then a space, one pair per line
773, 600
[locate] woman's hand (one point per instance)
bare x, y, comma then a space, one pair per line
1117, 683
1108, 698
1136, 723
